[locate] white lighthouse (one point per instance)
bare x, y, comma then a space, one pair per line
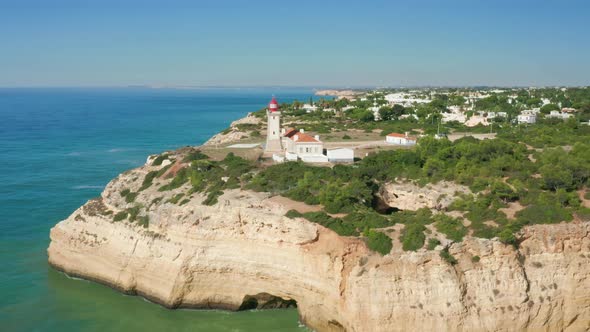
273, 131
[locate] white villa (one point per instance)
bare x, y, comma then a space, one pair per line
559, 115
309, 108
400, 139
528, 116
298, 144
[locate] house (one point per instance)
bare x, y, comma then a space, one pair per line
568, 110
400, 139
340, 155
528, 116
559, 115
309, 108
307, 148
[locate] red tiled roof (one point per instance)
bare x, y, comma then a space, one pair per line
290, 132
396, 135
306, 138
302, 137
402, 136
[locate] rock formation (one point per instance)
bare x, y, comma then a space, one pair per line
243, 252
410, 196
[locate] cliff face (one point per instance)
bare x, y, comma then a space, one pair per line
224, 255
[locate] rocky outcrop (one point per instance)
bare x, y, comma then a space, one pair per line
243, 252
410, 196
348, 94
234, 133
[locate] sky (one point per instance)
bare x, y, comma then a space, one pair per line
294, 43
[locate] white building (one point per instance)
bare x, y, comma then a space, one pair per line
528, 116
309, 108
341, 155
558, 115
405, 99
400, 139
307, 148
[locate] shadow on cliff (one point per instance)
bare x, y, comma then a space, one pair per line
266, 301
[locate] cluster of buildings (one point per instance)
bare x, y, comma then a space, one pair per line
530, 116
295, 144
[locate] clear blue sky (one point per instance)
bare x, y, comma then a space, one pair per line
295, 43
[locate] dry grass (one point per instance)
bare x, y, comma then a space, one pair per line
214, 153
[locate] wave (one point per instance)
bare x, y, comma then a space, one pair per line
87, 187
116, 150
73, 154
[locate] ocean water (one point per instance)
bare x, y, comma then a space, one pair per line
59, 148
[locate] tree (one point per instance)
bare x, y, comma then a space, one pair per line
555, 177
367, 116
503, 191
386, 113
546, 109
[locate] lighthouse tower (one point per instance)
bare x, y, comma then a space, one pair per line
273, 131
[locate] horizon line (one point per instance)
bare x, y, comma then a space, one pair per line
313, 87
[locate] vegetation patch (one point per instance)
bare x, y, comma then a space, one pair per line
158, 161
130, 197
446, 255
379, 242
120, 216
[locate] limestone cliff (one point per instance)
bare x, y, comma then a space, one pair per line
244, 248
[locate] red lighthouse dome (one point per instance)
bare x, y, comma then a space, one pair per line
273, 106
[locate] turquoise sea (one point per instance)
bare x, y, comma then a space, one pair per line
59, 148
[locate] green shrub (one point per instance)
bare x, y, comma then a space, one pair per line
293, 214
130, 197
547, 213
446, 255
144, 221
335, 224
147, 181
212, 197
346, 137
163, 170
120, 216
453, 228
174, 199
184, 201
507, 237
367, 218
379, 242
124, 192
158, 161
475, 259
432, 243
133, 213
194, 155
182, 176
156, 200
413, 237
